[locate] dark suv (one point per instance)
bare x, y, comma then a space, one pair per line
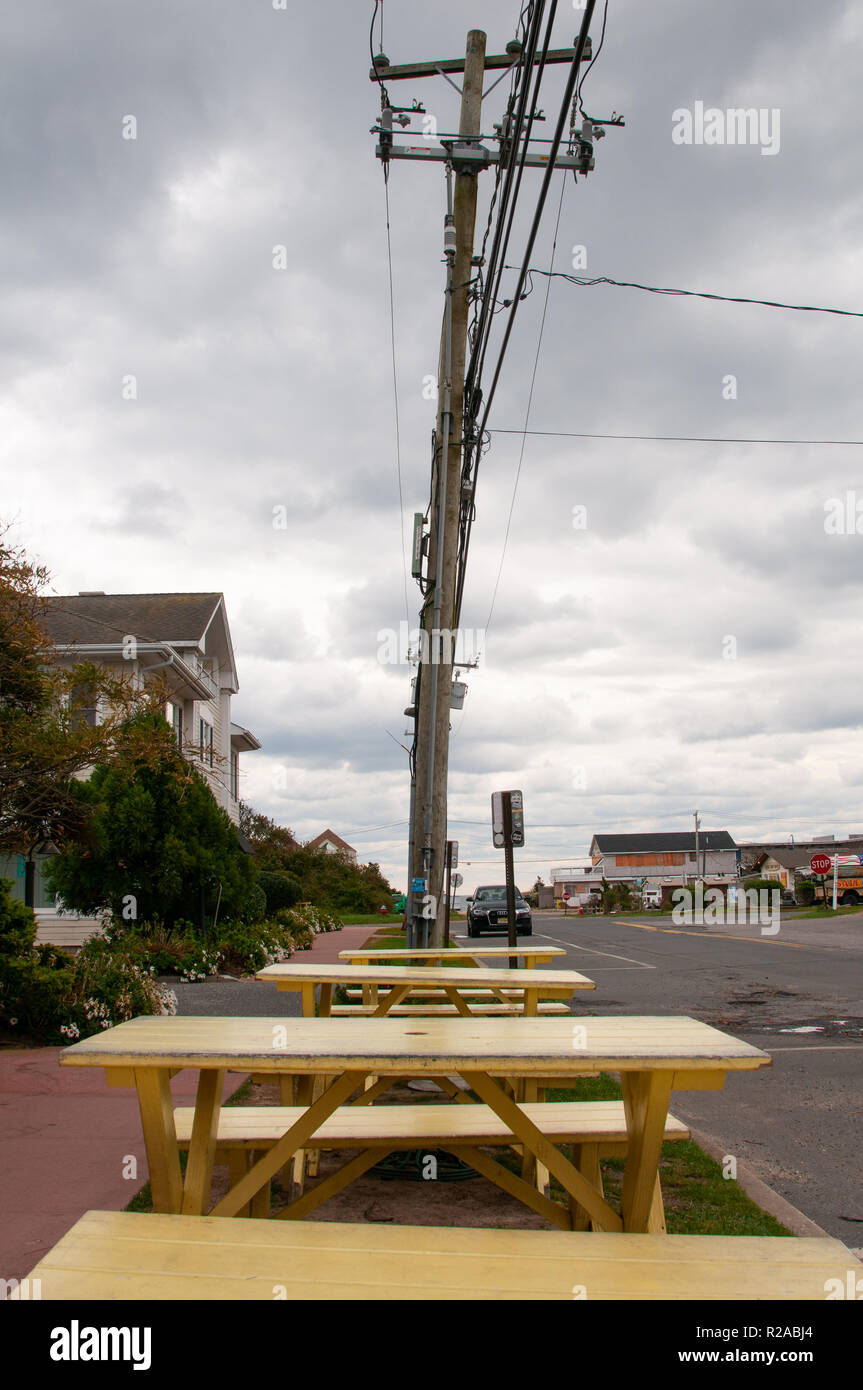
486, 911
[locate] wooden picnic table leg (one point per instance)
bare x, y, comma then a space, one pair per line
308, 992
395, 996
531, 1002
287, 1090
645, 1096
326, 1004
304, 1161
160, 1137
452, 994
575, 1185
292, 1172
291, 1141
238, 1166
202, 1145
531, 1169
586, 1159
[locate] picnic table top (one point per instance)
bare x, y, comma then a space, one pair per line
422, 974
501, 1046
451, 952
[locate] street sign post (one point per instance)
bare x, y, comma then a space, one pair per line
507, 827
820, 864
451, 862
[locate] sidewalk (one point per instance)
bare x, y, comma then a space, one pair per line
67, 1137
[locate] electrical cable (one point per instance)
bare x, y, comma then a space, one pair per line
673, 438
385, 99
527, 414
585, 281
558, 136
591, 63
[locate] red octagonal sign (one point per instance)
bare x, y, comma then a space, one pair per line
820, 863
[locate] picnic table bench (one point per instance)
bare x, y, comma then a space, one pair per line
134, 1255
595, 1129
537, 988
653, 1056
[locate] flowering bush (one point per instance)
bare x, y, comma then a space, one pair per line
54, 999
205, 963
305, 917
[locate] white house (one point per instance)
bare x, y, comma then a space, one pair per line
186, 639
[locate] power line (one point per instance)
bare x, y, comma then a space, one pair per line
585, 281
526, 414
672, 438
592, 61
472, 402
543, 194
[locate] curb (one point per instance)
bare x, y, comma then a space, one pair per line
762, 1195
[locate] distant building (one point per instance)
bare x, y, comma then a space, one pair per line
183, 638
331, 843
579, 881
784, 861
658, 857
186, 639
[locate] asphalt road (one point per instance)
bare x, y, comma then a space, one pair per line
797, 1122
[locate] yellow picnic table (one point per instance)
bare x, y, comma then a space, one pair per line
654, 1056
531, 955
520, 991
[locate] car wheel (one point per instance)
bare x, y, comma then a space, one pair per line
470, 928
525, 931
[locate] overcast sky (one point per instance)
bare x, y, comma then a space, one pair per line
697, 644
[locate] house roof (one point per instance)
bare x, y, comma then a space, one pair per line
798, 856
333, 838
242, 739
97, 619
662, 840
790, 857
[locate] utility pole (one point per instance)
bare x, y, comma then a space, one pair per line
464, 158
433, 710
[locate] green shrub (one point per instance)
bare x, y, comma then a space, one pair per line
804, 891
34, 980
47, 996
767, 884
280, 889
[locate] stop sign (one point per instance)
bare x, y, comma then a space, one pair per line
820, 863
565, 897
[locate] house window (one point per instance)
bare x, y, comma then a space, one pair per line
174, 716
84, 704
205, 741
235, 774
